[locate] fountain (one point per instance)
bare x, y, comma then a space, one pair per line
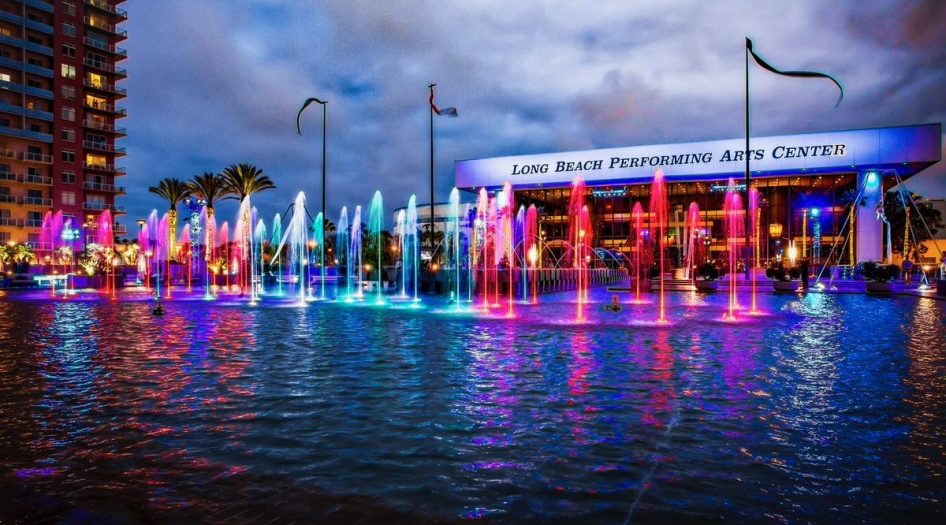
318, 234
296, 238
409, 248
274, 262
733, 228
259, 237
692, 235
375, 227
640, 234
225, 253
505, 243
342, 249
530, 247
754, 232
454, 252
658, 225
355, 254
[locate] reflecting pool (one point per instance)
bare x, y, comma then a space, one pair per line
828, 408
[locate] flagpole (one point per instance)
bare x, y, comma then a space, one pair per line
746, 206
431, 110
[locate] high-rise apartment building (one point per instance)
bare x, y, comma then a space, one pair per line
59, 99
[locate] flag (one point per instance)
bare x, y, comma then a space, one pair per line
450, 112
802, 74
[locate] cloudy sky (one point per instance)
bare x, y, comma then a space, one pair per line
215, 82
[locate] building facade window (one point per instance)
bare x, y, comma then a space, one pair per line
68, 50
68, 71
69, 198
69, 114
68, 155
69, 135
68, 29
68, 177
69, 92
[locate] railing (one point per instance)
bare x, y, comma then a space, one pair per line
104, 106
120, 229
105, 26
6, 175
10, 221
103, 146
33, 223
111, 188
104, 86
102, 126
105, 66
105, 6
103, 167
8, 199
38, 179
108, 48
42, 158
100, 206
7, 154
38, 201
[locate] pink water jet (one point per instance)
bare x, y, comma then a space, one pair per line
733, 226
754, 232
530, 243
639, 240
658, 225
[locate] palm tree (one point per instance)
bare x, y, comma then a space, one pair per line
210, 187
241, 181
174, 191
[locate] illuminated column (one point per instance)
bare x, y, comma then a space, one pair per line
869, 229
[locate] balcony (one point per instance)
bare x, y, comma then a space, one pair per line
101, 206
7, 199
38, 201
8, 154
104, 6
38, 158
103, 126
110, 168
10, 221
103, 146
6, 175
98, 23
108, 48
38, 179
106, 188
104, 86
29, 90
120, 229
33, 223
105, 66
106, 107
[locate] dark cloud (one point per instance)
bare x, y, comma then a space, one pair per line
216, 82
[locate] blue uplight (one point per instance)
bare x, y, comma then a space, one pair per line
872, 179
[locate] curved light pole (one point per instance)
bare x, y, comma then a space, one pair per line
324, 104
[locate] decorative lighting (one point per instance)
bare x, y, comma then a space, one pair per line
775, 230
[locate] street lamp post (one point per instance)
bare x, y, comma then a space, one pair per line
324, 104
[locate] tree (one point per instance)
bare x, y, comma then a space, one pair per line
210, 187
243, 180
174, 191
896, 214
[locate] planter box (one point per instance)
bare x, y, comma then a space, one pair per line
707, 285
877, 288
785, 286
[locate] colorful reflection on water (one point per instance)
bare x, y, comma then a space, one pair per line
832, 408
